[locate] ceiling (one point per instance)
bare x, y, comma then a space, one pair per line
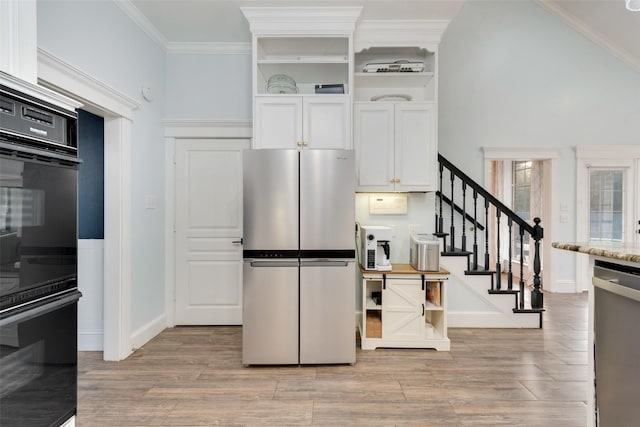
187, 22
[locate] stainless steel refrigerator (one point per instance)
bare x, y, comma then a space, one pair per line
299, 257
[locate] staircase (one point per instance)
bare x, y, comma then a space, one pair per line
484, 269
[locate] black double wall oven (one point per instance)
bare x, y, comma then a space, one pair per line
38, 261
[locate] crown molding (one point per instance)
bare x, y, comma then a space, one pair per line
209, 48
141, 21
399, 32
70, 80
193, 128
592, 35
302, 20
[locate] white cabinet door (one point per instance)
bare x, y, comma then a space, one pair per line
396, 146
208, 188
277, 122
326, 122
403, 310
373, 135
296, 122
415, 147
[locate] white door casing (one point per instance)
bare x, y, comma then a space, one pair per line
208, 231
613, 157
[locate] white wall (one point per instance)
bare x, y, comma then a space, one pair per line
420, 216
97, 38
514, 74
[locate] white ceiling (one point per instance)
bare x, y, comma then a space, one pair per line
181, 22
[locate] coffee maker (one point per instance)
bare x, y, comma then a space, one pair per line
375, 250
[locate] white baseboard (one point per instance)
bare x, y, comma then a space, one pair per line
91, 340
564, 286
490, 319
141, 336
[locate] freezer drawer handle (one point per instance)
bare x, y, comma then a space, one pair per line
273, 263
324, 263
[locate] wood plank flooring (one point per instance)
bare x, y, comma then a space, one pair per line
193, 376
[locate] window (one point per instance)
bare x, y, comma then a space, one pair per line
606, 205
521, 204
522, 189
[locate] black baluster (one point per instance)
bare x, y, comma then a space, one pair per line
510, 273
536, 294
452, 237
521, 268
486, 237
464, 216
475, 230
440, 222
498, 261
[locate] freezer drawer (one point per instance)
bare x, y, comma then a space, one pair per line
327, 312
270, 313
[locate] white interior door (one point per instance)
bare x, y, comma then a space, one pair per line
208, 229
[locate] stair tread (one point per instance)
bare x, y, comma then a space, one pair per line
455, 252
528, 310
479, 272
503, 291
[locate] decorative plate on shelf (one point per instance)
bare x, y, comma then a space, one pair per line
392, 97
281, 83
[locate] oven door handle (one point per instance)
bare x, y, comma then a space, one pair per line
39, 308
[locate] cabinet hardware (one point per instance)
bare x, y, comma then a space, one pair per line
305, 144
422, 309
384, 281
299, 143
241, 241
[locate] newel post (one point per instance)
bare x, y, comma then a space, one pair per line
536, 294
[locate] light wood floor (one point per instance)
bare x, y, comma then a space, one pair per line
193, 376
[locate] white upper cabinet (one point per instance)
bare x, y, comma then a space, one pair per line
302, 76
395, 146
396, 103
298, 122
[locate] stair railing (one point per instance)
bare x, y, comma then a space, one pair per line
535, 232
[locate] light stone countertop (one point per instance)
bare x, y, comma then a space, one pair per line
618, 251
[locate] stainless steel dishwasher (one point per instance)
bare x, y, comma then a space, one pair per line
617, 344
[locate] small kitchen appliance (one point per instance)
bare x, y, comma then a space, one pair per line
375, 249
424, 252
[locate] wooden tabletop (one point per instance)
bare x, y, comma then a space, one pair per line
405, 269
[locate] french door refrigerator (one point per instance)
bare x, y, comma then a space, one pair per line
299, 257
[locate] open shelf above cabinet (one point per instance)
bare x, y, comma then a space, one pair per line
372, 80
